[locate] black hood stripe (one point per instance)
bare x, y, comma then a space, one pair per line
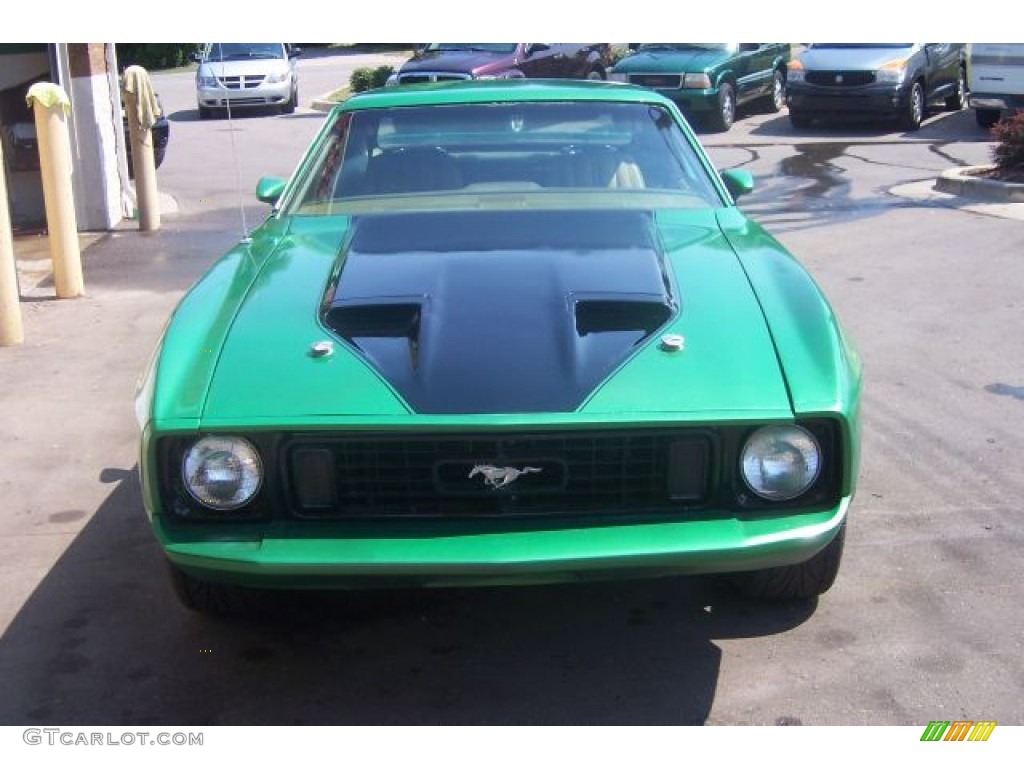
500, 312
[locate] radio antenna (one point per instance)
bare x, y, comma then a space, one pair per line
234, 152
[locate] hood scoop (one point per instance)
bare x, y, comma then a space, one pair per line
499, 312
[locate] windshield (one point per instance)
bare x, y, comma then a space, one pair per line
486, 47
242, 51
544, 153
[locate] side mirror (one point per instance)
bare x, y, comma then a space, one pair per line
269, 189
738, 181
533, 48
294, 53
196, 56
749, 46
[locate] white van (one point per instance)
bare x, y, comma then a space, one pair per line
995, 77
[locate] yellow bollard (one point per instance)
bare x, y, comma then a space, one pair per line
51, 106
141, 108
11, 331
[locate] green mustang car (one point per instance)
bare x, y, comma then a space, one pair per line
708, 81
500, 333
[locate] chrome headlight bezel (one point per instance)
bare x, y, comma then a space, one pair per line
236, 455
781, 462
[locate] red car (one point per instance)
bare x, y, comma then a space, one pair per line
485, 61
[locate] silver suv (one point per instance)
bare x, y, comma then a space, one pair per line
243, 75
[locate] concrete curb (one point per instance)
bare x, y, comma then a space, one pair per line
961, 181
321, 104
926, 192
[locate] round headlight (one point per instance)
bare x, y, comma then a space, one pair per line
780, 462
222, 472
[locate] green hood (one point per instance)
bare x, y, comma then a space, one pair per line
673, 61
265, 376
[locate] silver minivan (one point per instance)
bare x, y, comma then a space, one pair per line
243, 75
995, 76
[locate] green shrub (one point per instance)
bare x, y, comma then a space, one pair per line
1009, 135
366, 78
155, 55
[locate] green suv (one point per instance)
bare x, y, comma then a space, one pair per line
710, 80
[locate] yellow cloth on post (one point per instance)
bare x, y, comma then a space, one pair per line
136, 81
49, 95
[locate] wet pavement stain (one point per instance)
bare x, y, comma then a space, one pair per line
70, 663
788, 720
1017, 393
940, 150
69, 516
814, 163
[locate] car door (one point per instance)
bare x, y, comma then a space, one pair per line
943, 66
750, 81
576, 61
541, 60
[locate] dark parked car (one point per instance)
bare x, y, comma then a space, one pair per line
494, 61
709, 81
896, 80
161, 135
21, 149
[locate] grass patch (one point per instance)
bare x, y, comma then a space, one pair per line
339, 95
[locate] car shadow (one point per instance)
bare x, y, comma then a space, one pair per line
937, 126
101, 640
192, 115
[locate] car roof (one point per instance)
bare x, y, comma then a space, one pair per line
491, 91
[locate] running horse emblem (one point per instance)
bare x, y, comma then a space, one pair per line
499, 477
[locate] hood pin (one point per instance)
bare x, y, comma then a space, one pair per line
321, 348
672, 342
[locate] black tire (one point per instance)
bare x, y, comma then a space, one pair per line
293, 102
211, 599
722, 119
958, 100
776, 100
802, 581
986, 117
596, 74
913, 111
799, 120
205, 113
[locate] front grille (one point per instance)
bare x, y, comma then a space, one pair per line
575, 473
657, 81
237, 82
840, 79
431, 77
250, 101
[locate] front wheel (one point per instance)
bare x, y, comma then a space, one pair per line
209, 598
722, 119
776, 100
802, 581
913, 111
293, 102
799, 120
958, 100
595, 74
986, 117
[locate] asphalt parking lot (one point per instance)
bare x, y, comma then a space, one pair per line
924, 622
